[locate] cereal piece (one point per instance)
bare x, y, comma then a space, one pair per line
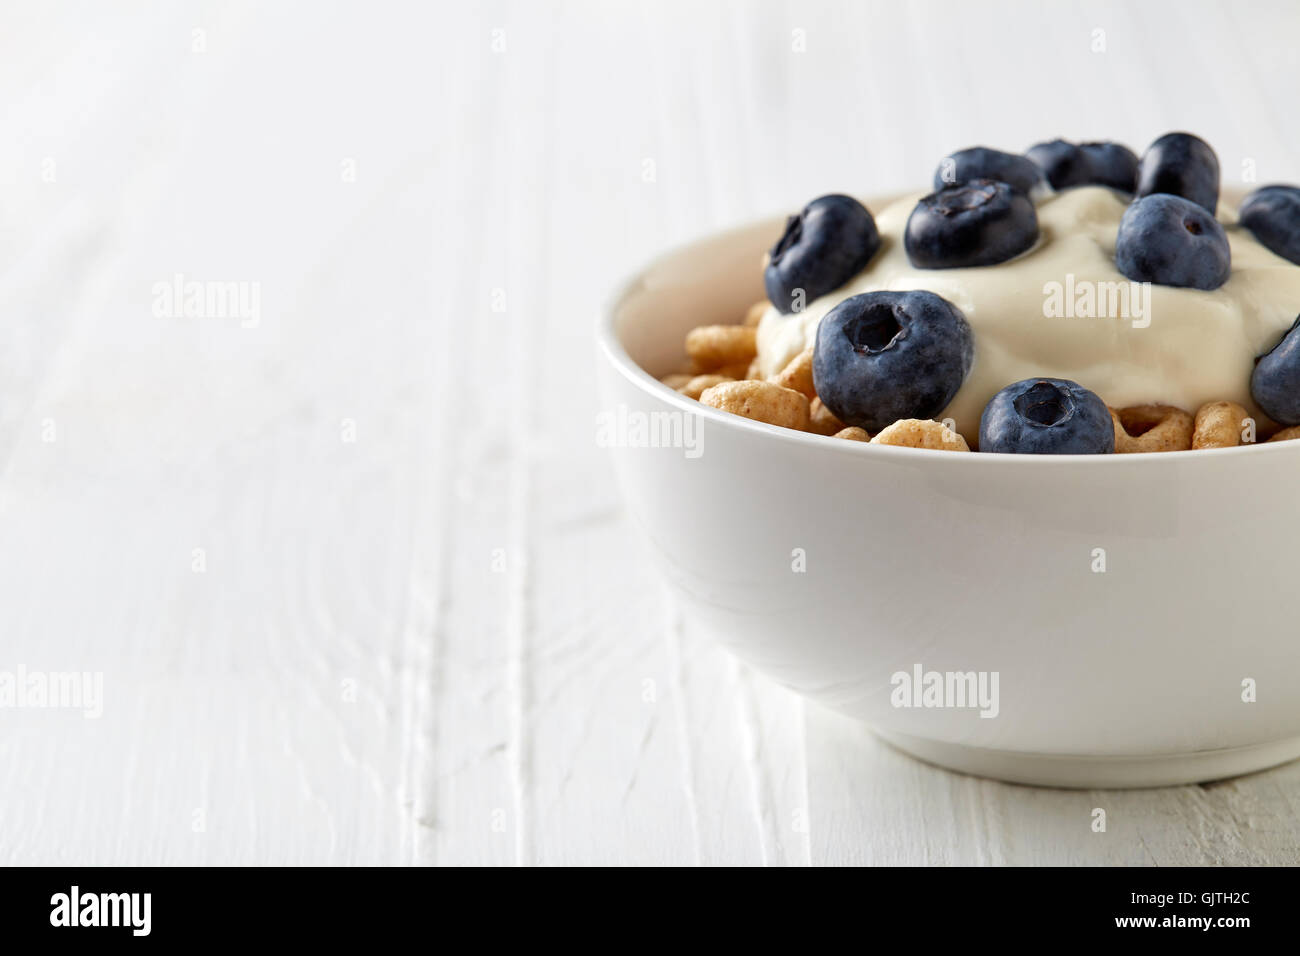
798, 374
676, 380
822, 420
755, 314
696, 386
1219, 425
760, 401
755, 370
734, 370
921, 433
1287, 434
738, 370
713, 346
1151, 428
853, 433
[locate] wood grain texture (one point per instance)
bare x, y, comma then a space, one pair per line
423, 632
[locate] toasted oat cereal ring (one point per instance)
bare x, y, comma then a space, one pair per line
755, 314
1219, 425
760, 401
921, 433
697, 384
737, 370
755, 370
713, 346
822, 420
797, 374
676, 379
1151, 428
1287, 434
853, 433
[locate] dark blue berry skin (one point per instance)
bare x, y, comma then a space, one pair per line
1062, 163
822, 248
980, 162
1046, 416
1183, 165
979, 223
1272, 213
1170, 240
883, 356
1086, 164
1111, 164
1275, 383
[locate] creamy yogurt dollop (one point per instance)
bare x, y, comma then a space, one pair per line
1063, 310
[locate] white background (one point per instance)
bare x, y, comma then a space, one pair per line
440, 642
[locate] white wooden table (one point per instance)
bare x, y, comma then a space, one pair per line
353, 570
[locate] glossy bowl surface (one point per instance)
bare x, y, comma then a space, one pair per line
1127, 604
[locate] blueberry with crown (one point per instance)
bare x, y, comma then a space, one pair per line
885, 356
821, 249
1047, 416
979, 223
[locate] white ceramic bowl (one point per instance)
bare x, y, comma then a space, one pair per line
832, 566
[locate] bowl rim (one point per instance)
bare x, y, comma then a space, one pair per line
611, 348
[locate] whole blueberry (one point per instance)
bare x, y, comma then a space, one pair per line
1086, 164
1111, 164
1272, 213
1170, 240
979, 223
980, 162
1275, 383
822, 248
1062, 163
1183, 165
1047, 416
884, 356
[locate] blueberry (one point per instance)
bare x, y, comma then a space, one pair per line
1183, 165
1062, 163
1272, 213
1275, 383
980, 223
1111, 164
822, 248
1047, 416
1087, 164
980, 162
1170, 240
883, 356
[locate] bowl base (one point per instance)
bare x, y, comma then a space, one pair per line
1097, 773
